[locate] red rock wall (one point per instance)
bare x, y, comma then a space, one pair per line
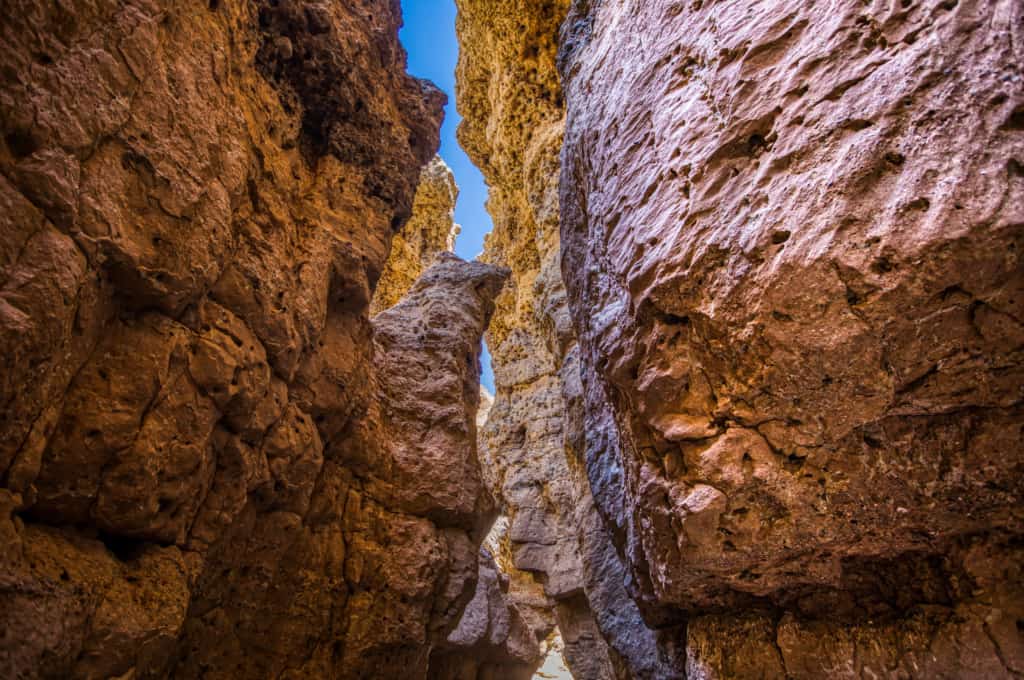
209, 457
791, 238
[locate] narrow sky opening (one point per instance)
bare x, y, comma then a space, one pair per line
429, 38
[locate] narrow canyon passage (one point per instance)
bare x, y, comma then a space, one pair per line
752, 295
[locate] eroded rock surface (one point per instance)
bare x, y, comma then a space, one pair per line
511, 103
492, 639
791, 238
430, 230
206, 448
533, 443
759, 366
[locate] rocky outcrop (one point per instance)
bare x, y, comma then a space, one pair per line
791, 238
510, 99
759, 365
430, 230
492, 640
418, 450
212, 464
427, 355
532, 445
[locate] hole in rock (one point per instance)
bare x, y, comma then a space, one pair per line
1016, 119
123, 548
21, 143
756, 143
882, 265
894, 158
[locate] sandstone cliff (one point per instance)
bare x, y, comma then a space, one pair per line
759, 361
212, 464
430, 230
511, 101
791, 238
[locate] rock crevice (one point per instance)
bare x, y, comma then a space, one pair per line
754, 297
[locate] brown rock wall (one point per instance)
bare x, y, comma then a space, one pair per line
207, 450
790, 237
430, 230
492, 640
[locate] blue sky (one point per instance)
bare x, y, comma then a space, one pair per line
429, 38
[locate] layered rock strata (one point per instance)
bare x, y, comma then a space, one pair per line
212, 464
791, 238
430, 230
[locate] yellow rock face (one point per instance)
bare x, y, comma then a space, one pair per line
510, 99
430, 230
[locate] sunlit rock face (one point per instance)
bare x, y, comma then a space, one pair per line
211, 461
430, 230
511, 102
791, 238
428, 370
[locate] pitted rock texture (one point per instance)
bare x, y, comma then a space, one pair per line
791, 237
510, 99
334, 68
206, 447
531, 446
430, 230
515, 141
492, 639
418, 446
426, 357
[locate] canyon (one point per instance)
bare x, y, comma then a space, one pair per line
754, 298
